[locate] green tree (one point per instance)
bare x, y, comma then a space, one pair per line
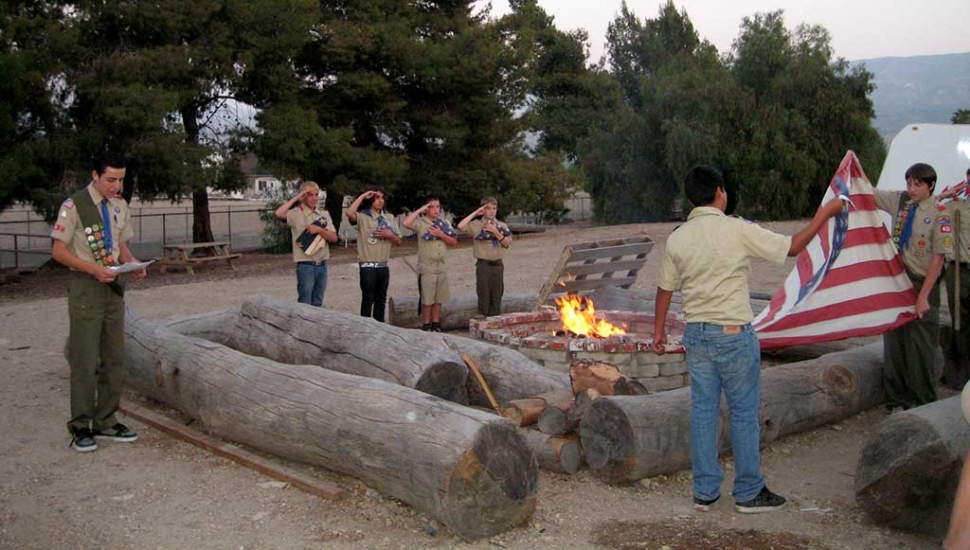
414, 96
961, 116
146, 79
809, 110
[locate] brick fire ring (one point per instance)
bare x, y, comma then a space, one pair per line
538, 335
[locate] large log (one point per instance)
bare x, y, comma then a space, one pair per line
402, 311
470, 470
629, 438
556, 454
555, 418
365, 347
303, 335
508, 373
909, 467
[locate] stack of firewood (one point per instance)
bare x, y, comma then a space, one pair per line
550, 422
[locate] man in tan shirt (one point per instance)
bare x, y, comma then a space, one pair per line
709, 259
490, 238
923, 234
434, 236
306, 222
90, 237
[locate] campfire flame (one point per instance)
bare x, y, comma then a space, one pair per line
579, 317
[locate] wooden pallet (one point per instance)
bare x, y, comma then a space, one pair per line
594, 265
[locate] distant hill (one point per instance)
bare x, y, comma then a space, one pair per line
926, 88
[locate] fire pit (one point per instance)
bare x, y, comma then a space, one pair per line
621, 338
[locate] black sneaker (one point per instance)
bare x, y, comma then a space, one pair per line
83, 441
766, 501
426, 327
118, 432
435, 327
704, 505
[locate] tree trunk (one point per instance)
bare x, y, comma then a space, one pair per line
303, 335
605, 378
375, 348
468, 469
629, 438
563, 455
509, 374
402, 311
555, 418
201, 222
909, 467
523, 412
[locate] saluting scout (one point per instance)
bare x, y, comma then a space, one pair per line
490, 238
956, 370
310, 254
375, 235
89, 237
434, 236
923, 234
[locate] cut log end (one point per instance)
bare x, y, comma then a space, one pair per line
903, 477
445, 380
494, 484
608, 441
840, 381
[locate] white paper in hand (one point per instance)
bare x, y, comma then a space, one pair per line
131, 266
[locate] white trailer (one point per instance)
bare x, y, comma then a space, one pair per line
945, 147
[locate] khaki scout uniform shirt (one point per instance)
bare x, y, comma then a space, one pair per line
709, 259
430, 251
68, 226
485, 249
372, 249
964, 207
932, 232
298, 219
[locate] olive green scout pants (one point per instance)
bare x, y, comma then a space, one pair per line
95, 352
910, 353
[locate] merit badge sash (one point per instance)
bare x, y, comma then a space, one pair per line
94, 232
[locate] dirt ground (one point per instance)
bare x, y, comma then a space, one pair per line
160, 492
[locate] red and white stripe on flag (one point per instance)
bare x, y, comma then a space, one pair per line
848, 282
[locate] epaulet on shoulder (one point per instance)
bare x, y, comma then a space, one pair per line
735, 216
676, 228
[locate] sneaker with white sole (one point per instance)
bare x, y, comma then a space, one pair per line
766, 501
82, 441
703, 505
118, 432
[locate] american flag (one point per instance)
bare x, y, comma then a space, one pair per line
848, 282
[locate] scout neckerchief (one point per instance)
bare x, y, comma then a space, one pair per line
97, 230
381, 224
903, 228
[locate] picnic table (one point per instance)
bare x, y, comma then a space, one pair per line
189, 254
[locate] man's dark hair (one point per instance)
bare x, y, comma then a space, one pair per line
431, 198
109, 160
701, 185
367, 203
922, 172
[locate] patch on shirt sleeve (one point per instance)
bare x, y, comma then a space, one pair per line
68, 204
58, 228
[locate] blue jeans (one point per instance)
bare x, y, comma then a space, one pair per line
731, 362
311, 283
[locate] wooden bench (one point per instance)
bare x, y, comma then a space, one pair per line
181, 255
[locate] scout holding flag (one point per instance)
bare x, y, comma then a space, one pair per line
434, 236
375, 235
956, 369
310, 254
89, 237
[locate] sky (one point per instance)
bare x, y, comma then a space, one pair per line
860, 29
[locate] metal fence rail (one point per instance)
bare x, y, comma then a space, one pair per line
28, 245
